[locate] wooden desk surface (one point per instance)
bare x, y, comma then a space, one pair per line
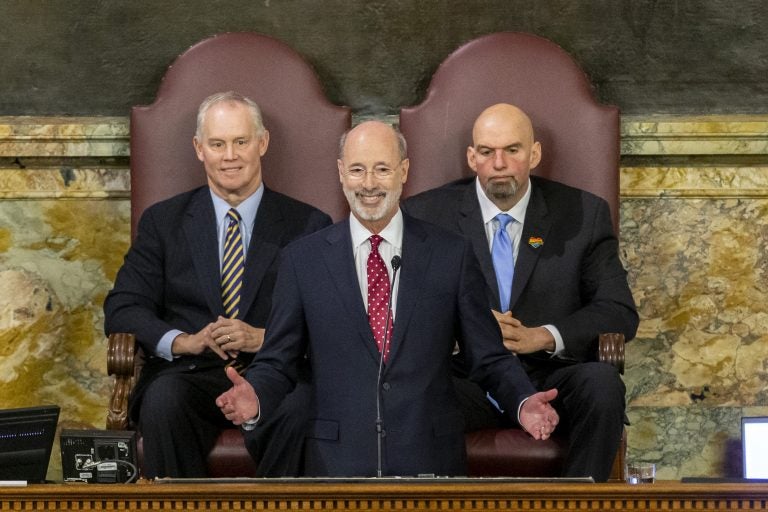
375, 496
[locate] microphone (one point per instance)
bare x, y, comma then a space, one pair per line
396, 262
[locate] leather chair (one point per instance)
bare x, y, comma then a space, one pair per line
301, 162
580, 147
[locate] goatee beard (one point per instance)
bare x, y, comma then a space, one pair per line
502, 190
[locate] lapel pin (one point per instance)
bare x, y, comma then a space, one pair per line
535, 242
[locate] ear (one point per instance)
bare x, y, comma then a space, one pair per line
471, 158
264, 143
404, 166
535, 154
198, 148
340, 166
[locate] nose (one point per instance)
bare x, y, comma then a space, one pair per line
229, 152
498, 159
369, 179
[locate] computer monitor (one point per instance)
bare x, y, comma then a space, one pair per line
754, 443
26, 439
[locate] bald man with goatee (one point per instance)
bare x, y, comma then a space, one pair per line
553, 281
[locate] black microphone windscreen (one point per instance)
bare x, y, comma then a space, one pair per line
396, 262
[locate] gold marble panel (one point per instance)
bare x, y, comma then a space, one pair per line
58, 259
692, 182
65, 183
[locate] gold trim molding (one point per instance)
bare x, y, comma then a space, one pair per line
25, 136
694, 135
408, 495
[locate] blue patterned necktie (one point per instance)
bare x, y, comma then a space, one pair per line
503, 260
232, 266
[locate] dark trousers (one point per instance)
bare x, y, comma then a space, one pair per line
590, 403
179, 422
277, 442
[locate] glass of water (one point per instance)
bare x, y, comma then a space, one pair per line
641, 473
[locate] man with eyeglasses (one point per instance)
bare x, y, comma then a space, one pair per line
380, 340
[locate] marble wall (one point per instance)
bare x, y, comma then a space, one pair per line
694, 236
64, 228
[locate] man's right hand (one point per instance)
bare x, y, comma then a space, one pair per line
520, 339
240, 403
196, 343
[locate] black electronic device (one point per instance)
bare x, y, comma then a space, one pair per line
98, 456
26, 439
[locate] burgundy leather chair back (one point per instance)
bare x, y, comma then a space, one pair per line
578, 135
304, 126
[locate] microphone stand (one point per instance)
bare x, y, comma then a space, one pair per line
396, 261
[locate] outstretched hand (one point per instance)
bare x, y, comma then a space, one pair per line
240, 403
537, 416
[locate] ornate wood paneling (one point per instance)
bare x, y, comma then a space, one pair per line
388, 495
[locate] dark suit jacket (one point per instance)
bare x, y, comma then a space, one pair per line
171, 275
574, 280
318, 306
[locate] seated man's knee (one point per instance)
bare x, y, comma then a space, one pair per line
164, 400
598, 383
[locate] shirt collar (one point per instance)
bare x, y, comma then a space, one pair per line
247, 209
393, 233
490, 210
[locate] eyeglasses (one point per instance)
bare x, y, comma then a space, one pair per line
380, 173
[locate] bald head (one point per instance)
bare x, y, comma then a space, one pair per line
377, 130
500, 118
503, 152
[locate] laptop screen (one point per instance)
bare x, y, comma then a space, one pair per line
26, 439
754, 443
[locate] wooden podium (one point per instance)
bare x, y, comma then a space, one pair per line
371, 495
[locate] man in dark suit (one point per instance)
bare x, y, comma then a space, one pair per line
170, 292
554, 283
383, 401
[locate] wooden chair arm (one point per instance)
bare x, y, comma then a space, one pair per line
124, 362
611, 350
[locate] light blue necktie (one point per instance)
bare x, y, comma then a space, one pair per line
503, 260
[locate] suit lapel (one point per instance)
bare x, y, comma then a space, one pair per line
199, 227
340, 264
416, 258
472, 227
263, 248
537, 225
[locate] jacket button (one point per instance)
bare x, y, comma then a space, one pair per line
385, 386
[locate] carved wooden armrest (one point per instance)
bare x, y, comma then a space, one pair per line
611, 350
124, 362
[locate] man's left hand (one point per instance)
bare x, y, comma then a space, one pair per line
537, 416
